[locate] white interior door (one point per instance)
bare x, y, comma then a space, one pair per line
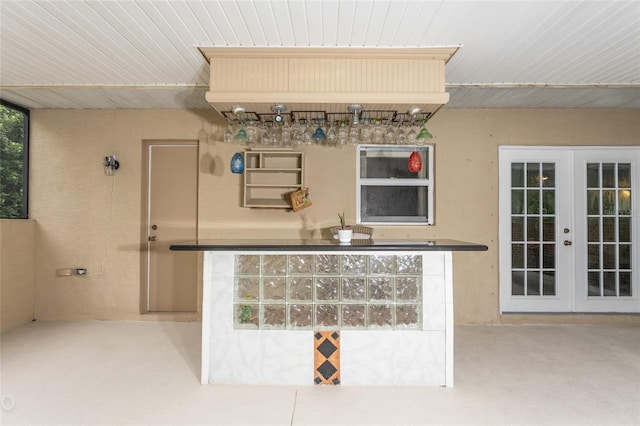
567, 229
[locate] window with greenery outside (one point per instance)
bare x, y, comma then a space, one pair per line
14, 125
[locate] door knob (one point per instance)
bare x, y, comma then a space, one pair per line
155, 238
154, 227
567, 243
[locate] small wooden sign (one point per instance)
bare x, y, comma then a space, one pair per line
300, 199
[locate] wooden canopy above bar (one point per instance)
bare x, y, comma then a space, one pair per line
327, 79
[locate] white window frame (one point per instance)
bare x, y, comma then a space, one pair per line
426, 182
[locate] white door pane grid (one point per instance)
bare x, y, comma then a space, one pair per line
533, 229
609, 236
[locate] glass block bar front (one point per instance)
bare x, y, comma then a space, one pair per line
326, 291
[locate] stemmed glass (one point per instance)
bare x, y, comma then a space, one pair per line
411, 133
390, 134
228, 133
251, 132
401, 137
241, 136
285, 135
424, 135
319, 136
343, 133
365, 131
378, 132
296, 132
331, 134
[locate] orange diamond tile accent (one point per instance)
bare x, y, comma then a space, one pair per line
326, 358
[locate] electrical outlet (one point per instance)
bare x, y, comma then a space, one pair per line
81, 271
66, 272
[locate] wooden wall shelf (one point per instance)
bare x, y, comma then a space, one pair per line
270, 176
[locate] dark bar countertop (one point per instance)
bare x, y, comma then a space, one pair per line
327, 245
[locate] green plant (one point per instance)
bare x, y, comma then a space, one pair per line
343, 223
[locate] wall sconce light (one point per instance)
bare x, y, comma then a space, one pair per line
111, 164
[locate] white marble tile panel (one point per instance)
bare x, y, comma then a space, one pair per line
235, 358
433, 264
366, 357
433, 303
286, 357
392, 358
219, 264
419, 358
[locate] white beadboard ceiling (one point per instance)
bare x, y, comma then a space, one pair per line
144, 54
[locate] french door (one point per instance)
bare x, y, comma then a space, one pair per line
569, 229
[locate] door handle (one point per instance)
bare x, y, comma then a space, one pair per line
567, 243
153, 238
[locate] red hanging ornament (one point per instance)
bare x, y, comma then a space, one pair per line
415, 162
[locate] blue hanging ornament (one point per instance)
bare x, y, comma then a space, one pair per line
237, 163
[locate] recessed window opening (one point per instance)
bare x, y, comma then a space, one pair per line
391, 189
14, 154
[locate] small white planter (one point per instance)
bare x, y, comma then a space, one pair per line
345, 235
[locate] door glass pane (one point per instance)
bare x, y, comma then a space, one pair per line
549, 283
548, 175
609, 284
549, 202
549, 228
517, 175
624, 202
533, 256
593, 175
593, 202
593, 224
533, 201
533, 175
624, 260
594, 283
533, 283
549, 256
609, 256
608, 229
609, 202
533, 229
624, 229
593, 256
517, 283
517, 229
624, 175
625, 283
517, 256
608, 175
517, 201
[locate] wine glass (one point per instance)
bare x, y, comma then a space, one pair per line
424, 135
332, 136
390, 134
343, 133
319, 136
365, 131
378, 132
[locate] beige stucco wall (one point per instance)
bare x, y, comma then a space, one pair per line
71, 197
17, 272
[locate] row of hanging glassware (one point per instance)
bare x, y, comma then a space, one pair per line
311, 128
